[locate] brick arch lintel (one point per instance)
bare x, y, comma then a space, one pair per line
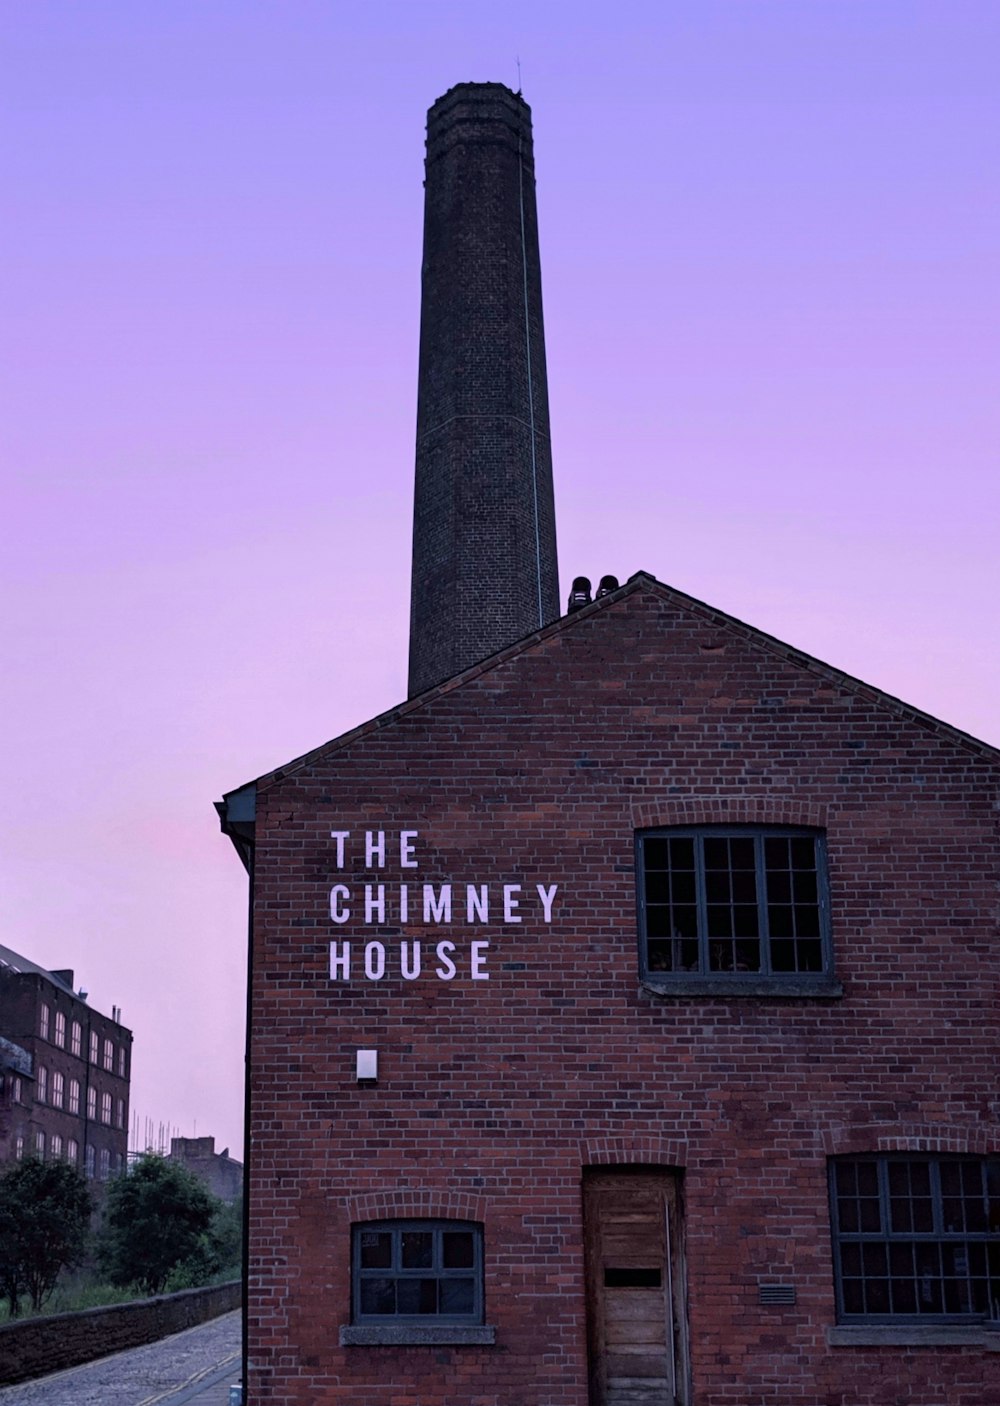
415, 1203
637, 1151
727, 810
970, 1139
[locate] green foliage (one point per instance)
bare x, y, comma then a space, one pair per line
156, 1218
227, 1232
218, 1254
44, 1214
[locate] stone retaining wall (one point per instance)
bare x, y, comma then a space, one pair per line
37, 1346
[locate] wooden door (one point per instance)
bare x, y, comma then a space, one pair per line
635, 1289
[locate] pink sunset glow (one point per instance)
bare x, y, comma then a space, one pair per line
769, 247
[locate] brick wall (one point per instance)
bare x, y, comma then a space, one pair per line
494, 1094
37, 1346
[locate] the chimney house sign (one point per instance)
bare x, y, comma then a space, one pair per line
444, 904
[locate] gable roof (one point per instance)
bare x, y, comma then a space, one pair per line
14, 962
645, 582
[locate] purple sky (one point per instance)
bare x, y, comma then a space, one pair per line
770, 239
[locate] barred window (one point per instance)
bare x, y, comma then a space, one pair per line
916, 1237
418, 1270
738, 902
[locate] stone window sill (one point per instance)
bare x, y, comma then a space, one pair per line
417, 1335
794, 988
915, 1335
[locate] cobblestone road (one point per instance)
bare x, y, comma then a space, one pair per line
195, 1366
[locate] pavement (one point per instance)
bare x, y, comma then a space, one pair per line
193, 1368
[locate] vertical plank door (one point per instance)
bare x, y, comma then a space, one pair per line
632, 1306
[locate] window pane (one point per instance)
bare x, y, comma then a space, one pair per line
803, 852
682, 855
805, 887
657, 888
416, 1296
418, 1249
378, 1296
910, 1206
654, 853
457, 1295
716, 853
458, 1251
658, 921
376, 1249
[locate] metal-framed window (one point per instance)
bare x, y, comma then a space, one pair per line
43, 1021
916, 1238
59, 1034
734, 902
74, 1096
417, 1271
76, 1038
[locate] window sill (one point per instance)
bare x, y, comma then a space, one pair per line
792, 987
417, 1335
915, 1335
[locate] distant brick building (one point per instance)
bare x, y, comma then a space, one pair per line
221, 1174
66, 1072
623, 1030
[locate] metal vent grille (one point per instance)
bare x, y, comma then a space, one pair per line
775, 1294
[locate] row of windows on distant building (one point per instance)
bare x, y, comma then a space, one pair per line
57, 1027
57, 1092
100, 1163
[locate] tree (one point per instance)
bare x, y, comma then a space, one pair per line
155, 1217
44, 1214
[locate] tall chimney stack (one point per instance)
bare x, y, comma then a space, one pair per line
484, 537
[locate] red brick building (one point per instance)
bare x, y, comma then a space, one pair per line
66, 1072
623, 1030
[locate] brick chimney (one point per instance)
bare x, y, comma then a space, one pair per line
484, 538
